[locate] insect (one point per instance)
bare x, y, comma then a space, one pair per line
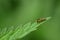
41, 20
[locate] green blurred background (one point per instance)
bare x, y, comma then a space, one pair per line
13, 12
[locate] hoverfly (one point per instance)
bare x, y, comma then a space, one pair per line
41, 20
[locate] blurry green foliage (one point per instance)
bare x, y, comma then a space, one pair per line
13, 12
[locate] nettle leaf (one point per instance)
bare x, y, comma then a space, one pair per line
18, 32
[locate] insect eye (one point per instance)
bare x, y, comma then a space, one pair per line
41, 20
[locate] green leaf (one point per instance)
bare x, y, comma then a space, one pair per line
21, 30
